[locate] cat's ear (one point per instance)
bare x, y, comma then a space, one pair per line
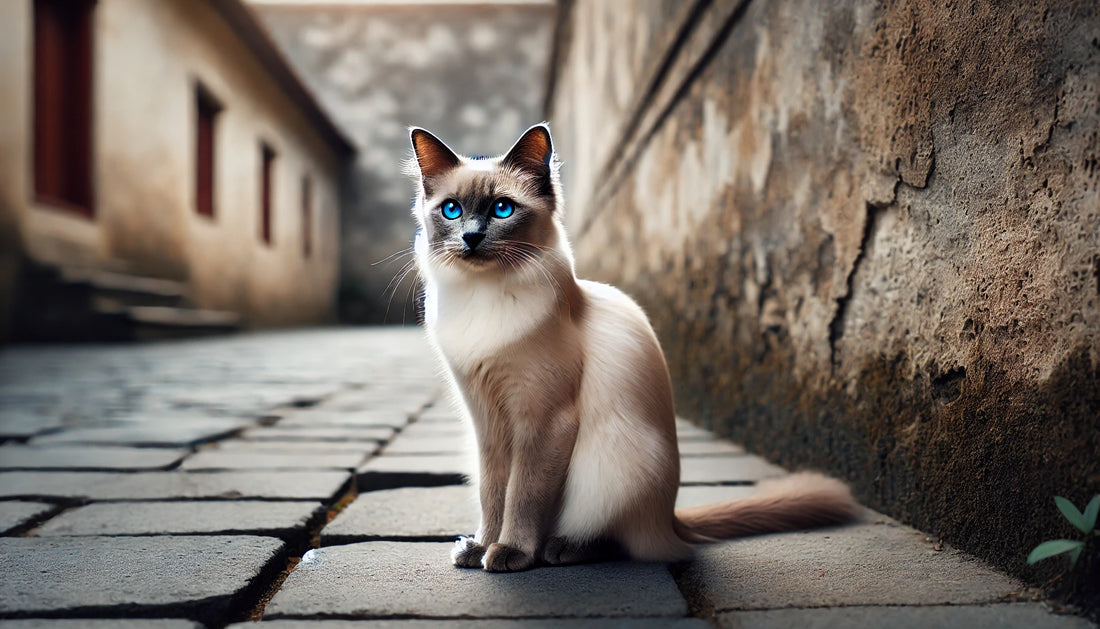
432, 156
533, 150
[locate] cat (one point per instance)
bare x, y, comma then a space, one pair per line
563, 379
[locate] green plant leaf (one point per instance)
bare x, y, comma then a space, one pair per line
1091, 511
1052, 548
1072, 514
1074, 554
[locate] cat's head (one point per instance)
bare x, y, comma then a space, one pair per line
488, 215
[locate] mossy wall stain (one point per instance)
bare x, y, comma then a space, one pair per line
868, 235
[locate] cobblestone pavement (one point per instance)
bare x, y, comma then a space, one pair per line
314, 478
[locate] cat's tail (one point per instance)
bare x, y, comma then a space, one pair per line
799, 501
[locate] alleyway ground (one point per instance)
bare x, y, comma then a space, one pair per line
184, 481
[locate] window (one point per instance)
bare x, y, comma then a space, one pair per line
267, 155
307, 216
62, 104
207, 109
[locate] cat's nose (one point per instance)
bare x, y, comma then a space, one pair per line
473, 239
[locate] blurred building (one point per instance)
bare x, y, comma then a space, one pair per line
474, 72
161, 169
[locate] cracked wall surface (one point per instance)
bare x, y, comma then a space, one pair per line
868, 235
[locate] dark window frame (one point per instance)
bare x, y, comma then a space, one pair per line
267, 177
307, 216
207, 110
62, 129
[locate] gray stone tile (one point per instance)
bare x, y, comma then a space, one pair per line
384, 579
22, 422
15, 513
422, 430
695, 495
285, 520
325, 417
405, 401
167, 433
102, 623
305, 485
199, 577
409, 444
868, 564
686, 431
243, 460
321, 433
388, 472
442, 412
423, 513
74, 457
738, 468
1003, 616
301, 447
486, 623
709, 447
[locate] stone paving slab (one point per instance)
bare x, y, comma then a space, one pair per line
15, 513
695, 495
1002, 616
297, 447
411, 444
867, 564
439, 413
686, 431
422, 513
87, 458
22, 423
320, 433
196, 577
323, 417
162, 433
405, 400
102, 623
386, 579
389, 472
437, 430
285, 520
485, 623
709, 448
272, 485
738, 468
243, 460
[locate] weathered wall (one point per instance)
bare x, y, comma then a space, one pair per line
147, 58
474, 73
867, 233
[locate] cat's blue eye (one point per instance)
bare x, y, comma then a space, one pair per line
503, 208
451, 210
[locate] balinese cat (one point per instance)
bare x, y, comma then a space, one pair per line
563, 379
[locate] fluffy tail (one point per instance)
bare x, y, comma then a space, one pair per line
795, 502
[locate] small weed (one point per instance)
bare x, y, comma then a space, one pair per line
1084, 522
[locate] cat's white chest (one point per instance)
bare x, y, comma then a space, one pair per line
469, 320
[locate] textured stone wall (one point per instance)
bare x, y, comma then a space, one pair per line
474, 74
868, 235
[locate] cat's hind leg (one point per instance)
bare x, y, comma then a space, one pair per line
561, 551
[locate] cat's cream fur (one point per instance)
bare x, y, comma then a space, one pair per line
564, 381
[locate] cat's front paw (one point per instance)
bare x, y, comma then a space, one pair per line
501, 558
467, 553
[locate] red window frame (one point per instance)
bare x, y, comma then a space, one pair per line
63, 104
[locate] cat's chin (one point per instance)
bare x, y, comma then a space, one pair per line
476, 263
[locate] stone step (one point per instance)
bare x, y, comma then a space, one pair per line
148, 323
121, 289
83, 303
